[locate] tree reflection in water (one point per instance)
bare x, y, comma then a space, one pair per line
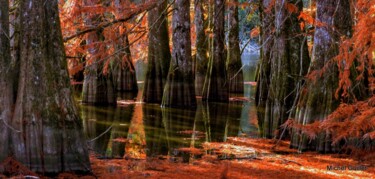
136, 130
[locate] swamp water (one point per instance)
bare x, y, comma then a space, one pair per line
137, 130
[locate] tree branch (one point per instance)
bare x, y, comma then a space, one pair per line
140, 9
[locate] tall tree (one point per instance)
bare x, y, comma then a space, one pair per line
201, 45
317, 99
159, 55
264, 66
125, 76
179, 90
287, 63
98, 88
216, 83
234, 63
6, 96
45, 130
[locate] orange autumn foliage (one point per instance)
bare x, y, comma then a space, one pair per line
359, 49
110, 21
353, 123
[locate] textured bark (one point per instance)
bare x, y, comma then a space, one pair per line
126, 78
264, 67
179, 90
126, 75
201, 45
98, 89
234, 63
287, 64
216, 83
317, 100
159, 55
6, 95
50, 136
14, 18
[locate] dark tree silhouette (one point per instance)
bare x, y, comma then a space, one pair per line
179, 90
159, 54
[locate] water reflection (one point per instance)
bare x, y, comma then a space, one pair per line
136, 130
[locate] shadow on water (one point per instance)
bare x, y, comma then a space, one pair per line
137, 130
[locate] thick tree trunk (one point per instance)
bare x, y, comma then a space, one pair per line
201, 45
14, 18
50, 136
179, 90
159, 55
6, 83
126, 79
287, 64
98, 89
317, 100
234, 63
125, 75
216, 83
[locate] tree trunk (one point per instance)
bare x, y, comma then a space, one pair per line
317, 100
264, 66
98, 89
126, 79
288, 63
15, 41
49, 137
216, 83
179, 90
234, 63
201, 45
159, 54
126, 75
6, 83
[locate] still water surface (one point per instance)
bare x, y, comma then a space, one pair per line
136, 130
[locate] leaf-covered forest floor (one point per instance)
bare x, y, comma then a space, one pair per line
236, 158
241, 158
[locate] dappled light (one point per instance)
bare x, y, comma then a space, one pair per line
187, 89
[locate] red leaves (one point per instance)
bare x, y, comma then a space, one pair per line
359, 49
290, 7
255, 32
306, 17
348, 121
